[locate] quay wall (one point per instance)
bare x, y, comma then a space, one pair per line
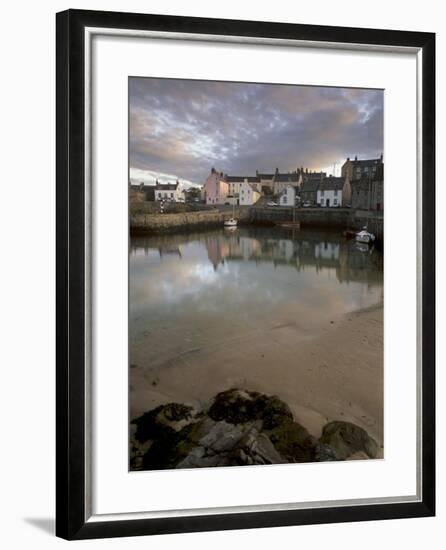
142, 223
339, 218
147, 222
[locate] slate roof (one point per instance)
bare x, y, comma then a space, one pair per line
236, 179
366, 162
311, 181
332, 183
292, 177
167, 186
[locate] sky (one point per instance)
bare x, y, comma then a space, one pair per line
180, 129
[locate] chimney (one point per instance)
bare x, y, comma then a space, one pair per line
356, 158
381, 157
277, 170
348, 159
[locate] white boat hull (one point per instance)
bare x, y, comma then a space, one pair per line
230, 223
364, 237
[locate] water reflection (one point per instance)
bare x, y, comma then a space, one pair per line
196, 291
318, 250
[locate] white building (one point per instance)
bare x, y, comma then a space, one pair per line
333, 191
248, 194
288, 196
169, 192
235, 184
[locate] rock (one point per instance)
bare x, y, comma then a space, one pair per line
347, 439
216, 447
234, 406
324, 453
264, 452
171, 417
293, 442
241, 428
193, 460
274, 411
223, 437
232, 445
168, 449
240, 406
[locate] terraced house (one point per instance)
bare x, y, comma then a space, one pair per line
333, 191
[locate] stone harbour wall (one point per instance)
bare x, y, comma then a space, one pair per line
141, 223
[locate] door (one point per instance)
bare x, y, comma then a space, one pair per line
327, 202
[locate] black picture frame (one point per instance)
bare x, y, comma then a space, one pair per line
71, 521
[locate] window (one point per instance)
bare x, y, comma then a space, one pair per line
284, 198
335, 202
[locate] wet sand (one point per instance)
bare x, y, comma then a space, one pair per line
325, 370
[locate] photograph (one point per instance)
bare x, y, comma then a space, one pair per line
256, 273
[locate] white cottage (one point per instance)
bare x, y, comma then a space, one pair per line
333, 191
288, 196
169, 192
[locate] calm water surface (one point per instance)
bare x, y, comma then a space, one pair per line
187, 290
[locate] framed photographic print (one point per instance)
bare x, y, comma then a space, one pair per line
245, 274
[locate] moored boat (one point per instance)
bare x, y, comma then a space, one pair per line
232, 222
365, 236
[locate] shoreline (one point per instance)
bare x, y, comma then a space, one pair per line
331, 370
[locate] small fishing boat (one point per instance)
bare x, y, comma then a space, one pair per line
364, 236
232, 222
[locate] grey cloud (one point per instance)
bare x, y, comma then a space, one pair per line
184, 127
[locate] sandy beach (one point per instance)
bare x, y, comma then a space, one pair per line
329, 369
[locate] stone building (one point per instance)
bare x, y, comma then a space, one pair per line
368, 190
355, 169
